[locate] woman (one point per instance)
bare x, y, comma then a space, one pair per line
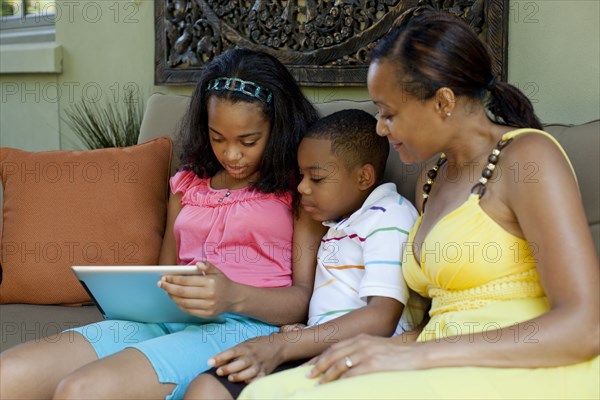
513, 276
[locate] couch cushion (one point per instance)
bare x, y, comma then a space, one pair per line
163, 117
23, 322
582, 144
64, 208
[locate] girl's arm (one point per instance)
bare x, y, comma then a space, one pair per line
213, 293
279, 306
168, 250
548, 210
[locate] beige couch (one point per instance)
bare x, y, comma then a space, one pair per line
21, 322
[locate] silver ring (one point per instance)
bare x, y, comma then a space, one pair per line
348, 362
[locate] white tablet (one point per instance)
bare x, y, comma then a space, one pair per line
131, 293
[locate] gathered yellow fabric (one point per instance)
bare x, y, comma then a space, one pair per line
517, 286
480, 278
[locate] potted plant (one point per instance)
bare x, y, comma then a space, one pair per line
109, 125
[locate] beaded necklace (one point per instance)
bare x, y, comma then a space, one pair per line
480, 187
225, 196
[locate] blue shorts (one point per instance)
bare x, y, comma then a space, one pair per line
178, 352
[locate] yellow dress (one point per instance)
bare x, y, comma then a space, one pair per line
480, 278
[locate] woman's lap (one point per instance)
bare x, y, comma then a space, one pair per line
575, 382
177, 352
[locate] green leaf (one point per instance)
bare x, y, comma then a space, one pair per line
110, 125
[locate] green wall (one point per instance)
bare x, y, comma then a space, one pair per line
554, 57
108, 46
29, 112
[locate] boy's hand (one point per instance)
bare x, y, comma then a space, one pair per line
249, 360
206, 295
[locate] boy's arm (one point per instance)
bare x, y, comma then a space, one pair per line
379, 318
411, 336
258, 357
382, 285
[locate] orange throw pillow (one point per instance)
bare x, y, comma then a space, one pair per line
91, 207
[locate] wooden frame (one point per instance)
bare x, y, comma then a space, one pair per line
329, 50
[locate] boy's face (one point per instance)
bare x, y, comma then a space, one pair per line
329, 190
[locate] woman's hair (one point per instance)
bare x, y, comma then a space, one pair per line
289, 112
434, 49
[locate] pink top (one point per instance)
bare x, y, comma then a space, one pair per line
246, 234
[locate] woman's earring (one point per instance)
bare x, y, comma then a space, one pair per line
448, 114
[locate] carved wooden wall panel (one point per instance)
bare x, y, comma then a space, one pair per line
322, 42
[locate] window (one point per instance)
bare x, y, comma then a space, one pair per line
27, 21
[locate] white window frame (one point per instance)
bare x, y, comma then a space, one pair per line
27, 28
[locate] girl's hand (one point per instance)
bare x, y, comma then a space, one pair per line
206, 295
364, 354
249, 360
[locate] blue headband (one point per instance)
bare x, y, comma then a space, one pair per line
238, 85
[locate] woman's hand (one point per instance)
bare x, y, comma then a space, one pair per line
205, 295
365, 354
249, 360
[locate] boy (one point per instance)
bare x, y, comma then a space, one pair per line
358, 286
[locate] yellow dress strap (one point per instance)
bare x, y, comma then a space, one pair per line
516, 132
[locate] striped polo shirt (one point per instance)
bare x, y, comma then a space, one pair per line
360, 256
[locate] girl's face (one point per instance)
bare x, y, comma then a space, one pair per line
238, 134
408, 123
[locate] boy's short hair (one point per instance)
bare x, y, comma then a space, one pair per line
353, 139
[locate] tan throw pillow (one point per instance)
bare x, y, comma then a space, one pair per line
64, 208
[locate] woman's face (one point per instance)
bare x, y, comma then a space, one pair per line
238, 134
408, 123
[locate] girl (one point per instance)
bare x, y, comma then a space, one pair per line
231, 214
527, 310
